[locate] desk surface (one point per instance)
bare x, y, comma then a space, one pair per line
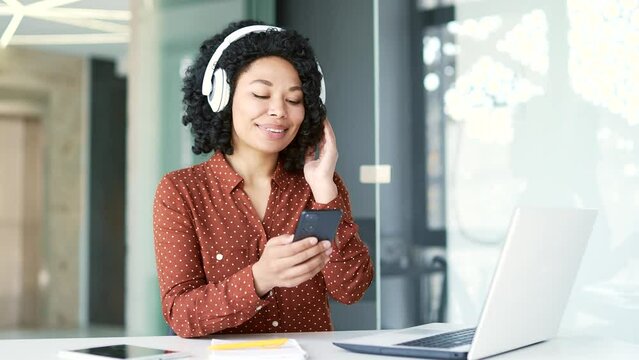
318, 345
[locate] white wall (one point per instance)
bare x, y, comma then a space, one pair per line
48, 87
12, 140
565, 134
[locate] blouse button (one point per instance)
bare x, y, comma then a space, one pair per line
275, 323
219, 256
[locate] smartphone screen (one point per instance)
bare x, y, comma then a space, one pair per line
321, 224
121, 352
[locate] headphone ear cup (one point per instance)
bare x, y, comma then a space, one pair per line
323, 92
219, 96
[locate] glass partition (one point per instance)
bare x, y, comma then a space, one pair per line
509, 104
541, 112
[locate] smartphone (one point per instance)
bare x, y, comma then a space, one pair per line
122, 351
321, 224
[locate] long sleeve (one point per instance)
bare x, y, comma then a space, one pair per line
350, 270
190, 304
208, 235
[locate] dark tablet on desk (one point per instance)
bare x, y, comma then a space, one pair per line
129, 352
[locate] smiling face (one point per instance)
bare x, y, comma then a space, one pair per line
268, 106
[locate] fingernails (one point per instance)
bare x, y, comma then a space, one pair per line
326, 244
328, 251
313, 241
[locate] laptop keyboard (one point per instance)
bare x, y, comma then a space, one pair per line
445, 340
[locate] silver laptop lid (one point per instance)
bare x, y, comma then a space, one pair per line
533, 279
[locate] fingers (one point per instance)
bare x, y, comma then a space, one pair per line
305, 271
288, 263
280, 240
329, 134
329, 143
284, 247
310, 154
308, 253
300, 251
299, 246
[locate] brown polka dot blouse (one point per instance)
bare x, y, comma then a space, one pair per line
207, 235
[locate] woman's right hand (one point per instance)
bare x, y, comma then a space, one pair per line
285, 263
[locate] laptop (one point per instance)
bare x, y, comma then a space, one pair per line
526, 299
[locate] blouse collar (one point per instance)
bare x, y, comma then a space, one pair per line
230, 179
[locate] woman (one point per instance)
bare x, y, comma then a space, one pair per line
225, 256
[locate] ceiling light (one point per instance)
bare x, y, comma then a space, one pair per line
70, 39
112, 24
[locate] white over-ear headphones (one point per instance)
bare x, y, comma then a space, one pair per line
215, 85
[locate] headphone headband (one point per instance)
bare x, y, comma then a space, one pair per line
207, 83
215, 85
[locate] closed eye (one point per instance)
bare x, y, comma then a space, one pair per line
294, 102
260, 96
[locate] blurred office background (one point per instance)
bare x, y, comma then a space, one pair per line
448, 115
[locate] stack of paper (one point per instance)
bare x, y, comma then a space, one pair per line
289, 350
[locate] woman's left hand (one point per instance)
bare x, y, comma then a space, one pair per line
319, 172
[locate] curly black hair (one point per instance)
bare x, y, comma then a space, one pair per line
212, 131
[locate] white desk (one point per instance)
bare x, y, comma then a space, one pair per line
319, 346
